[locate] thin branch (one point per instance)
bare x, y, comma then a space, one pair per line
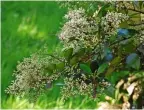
132, 9
94, 87
118, 41
135, 10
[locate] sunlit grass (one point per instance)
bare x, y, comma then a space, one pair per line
72, 103
17, 103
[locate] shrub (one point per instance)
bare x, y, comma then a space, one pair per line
102, 55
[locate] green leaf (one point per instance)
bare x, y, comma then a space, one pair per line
124, 25
74, 60
102, 68
60, 66
68, 53
135, 17
132, 32
109, 71
102, 12
133, 60
50, 67
116, 76
116, 61
137, 64
112, 38
80, 52
128, 47
85, 68
110, 91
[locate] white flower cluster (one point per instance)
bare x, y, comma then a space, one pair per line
76, 83
28, 75
124, 4
76, 87
32, 76
111, 22
78, 29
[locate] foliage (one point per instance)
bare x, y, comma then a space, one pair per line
101, 48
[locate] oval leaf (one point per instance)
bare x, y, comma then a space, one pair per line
74, 60
60, 66
50, 67
102, 68
80, 52
68, 53
102, 12
133, 60
85, 68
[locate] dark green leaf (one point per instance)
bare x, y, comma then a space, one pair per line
116, 76
102, 12
110, 91
68, 53
129, 47
80, 52
85, 68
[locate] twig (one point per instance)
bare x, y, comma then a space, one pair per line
94, 87
119, 41
135, 10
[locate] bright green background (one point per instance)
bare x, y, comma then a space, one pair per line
26, 27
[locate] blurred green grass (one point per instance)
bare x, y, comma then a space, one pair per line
27, 27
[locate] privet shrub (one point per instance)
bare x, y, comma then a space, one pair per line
102, 55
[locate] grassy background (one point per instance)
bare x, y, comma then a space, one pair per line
26, 27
